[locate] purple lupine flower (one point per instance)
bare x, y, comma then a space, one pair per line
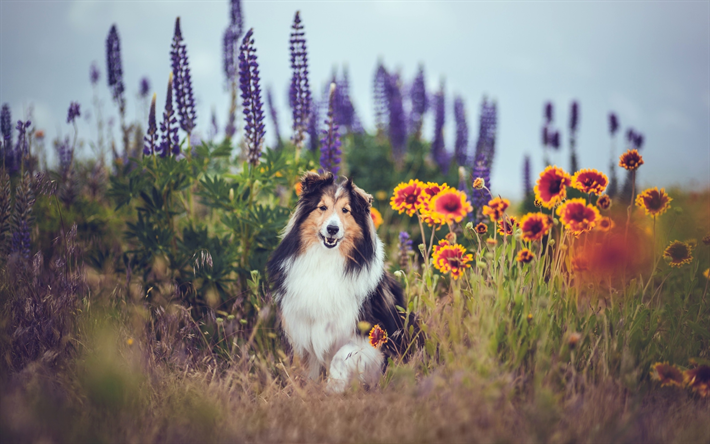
404, 249
73, 112
485, 151
574, 116
548, 113
397, 123
380, 97
313, 120
151, 137
23, 145
344, 109
274, 117
480, 197
330, 143
169, 140
299, 91
144, 88
638, 141
527, 182
94, 73
545, 136
461, 131
630, 135
555, 140
251, 96
438, 151
114, 68
182, 81
419, 100
231, 40
613, 124
6, 124
21, 240
65, 153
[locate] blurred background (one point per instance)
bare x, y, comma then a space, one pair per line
647, 62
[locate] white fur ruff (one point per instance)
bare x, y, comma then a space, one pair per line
320, 309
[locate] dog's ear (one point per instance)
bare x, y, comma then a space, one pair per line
311, 182
360, 194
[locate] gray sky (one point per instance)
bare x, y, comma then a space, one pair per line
647, 61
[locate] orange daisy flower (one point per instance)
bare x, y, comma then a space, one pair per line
605, 224
479, 183
590, 181
442, 243
535, 226
551, 186
506, 225
525, 256
579, 263
604, 202
577, 216
653, 201
495, 208
481, 228
451, 259
299, 188
666, 374
376, 217
698, 379
447, 206
408, 197
631, 160
679, 253
378, 336
431, 189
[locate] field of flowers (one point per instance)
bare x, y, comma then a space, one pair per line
136, 305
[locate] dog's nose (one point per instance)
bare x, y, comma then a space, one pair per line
332, 229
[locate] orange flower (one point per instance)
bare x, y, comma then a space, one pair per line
479, 183
605, 224
408, 197
506, 226
653, 201
491, 242
451, 259
447, 206
666, 374
551, 186
537, 203
679, 253
590, 181
431, 189
525, 256
535, 226
630, 160
579, 263
378, 336
698, 379
299, 188
376, 217
604, 202
577, 216
442, 243
495, 208
481, 228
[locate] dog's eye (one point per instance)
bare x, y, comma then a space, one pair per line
345, 210
322, 208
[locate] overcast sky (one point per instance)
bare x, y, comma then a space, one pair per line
647, 61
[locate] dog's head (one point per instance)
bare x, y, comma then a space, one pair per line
336, 216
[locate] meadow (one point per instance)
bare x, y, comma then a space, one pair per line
135, 304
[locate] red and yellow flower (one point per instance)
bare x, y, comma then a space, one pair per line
653, 201
479, 183
667, 374
524, 256
604, 202
507, 225
481, 228
551, 187
698, 379
590, 181
577, 216
495, 208
408, 197
376, 217
449, 205
605, 224
679, 253
451, 259
630, 160
534, 226
378, 336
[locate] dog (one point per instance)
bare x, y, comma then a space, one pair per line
327, 276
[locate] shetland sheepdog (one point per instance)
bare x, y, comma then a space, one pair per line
327, 275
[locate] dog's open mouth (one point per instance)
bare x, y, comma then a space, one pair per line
329, 242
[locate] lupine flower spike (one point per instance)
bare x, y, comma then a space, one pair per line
300, 91
114, 68
461, 144
151, 138
73, 112
438, 151
420, 103
169, 140
330, 143
182, 81
397, 122
251, 96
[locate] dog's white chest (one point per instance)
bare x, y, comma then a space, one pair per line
321, 304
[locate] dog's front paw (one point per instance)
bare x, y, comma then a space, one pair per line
354, 360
